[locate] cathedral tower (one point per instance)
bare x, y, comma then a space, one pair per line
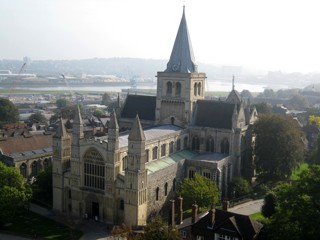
180, 85
136, 178
60, 165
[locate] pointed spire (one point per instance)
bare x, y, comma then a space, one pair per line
61, 130
113, 124
182, 58
136, 133
232, 82
77, 118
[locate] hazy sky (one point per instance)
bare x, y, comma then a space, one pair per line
267, 34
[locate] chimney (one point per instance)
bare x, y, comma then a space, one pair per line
211, 216
225, 205
180, 210
194, 213
171, 213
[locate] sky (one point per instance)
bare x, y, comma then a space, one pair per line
259, 34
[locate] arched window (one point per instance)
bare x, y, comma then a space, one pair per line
178, 145
169, 88
174, 185
163, 150
23, 170
166, 189
178, 89
225, 146
206, 174
121, 204
199, 89
124, 163
94, 170
157, 193
147, 155
34, 168
195, 89
155, 153
185, 142
172, 120
170, 147
210, 145
191, 173
195, 143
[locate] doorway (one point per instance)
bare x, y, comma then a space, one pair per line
95, 209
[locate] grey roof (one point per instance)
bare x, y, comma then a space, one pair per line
144, 106
214, 114
152, 133
234, 97
182, 59
211, 157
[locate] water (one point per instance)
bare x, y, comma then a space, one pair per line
216, 86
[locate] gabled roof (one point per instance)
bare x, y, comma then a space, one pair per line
234, 97
214, 114
182, 59
233, 222
144, 106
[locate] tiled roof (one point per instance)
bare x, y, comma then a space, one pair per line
144, 106
246, 227
22, 144
215, 114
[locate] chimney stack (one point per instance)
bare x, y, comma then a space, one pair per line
194, 217
212, 213
171, 213
180, 210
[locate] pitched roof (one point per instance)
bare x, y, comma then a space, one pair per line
234, 97
215, 114
243, 224
144, 106
22, 144
182, 59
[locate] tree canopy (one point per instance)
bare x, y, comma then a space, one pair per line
38, 117
200, 189
62, 103
8, 112
278, 147
239, 187
297, 212
13, 191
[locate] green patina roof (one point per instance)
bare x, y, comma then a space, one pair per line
162, 163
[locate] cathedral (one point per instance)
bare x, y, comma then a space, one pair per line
152, 144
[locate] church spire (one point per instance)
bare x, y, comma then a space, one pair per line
113, 124
136, 133
182, 59
61, 130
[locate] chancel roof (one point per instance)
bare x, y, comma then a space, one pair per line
214, 114
144, 106
182, 58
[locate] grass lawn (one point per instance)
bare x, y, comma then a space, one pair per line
302, 167
28, 223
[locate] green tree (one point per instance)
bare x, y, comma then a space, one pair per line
62, 103
106, 99
246, 94
8, 112
278, 147
38, 117
13, 192
269, 205
157, 229
297, 214
99, 112
199, 189
263, 107
239, 187
43, 186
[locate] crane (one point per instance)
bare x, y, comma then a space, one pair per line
69, 88
15, 81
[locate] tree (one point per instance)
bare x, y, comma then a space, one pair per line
13, 192
157, 229
278, 147
8, 112
199, 189
297, 214
99, 112
43, 186
106, 99
263, 107
246, 94
239, 187
38, 117
269, 205
61, 103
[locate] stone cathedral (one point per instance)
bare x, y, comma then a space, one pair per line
129, 176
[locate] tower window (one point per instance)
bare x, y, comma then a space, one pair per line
178, 145
157, 194
195, 89
169, 88
178, 89
166, 189
171, 147
199, 89
163, 150
154, 153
